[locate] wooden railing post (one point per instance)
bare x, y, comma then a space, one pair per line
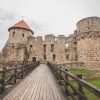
25, 67
80, 88
21, 72
14, 78
60, 76
66, 84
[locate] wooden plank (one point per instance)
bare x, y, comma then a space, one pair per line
39, 85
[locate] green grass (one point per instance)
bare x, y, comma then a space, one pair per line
81, 71
94, 82
90, 96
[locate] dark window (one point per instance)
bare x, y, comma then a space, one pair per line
90, 36
31, 46
44, 57
34, 59
54, 56
44, 48
75, 42
23, 34
13, 33
52, 47
82, 37
12, 47
67, 56
76, 57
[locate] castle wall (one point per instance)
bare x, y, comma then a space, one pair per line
60, 49
35, 49
83, 46
71, 53
47, 53
88, 43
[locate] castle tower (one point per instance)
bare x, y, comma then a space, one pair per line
88, 42
19, 32
15, 48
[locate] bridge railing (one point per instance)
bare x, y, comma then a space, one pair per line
10, 76
64, 78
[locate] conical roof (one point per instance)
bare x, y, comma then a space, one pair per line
21, 24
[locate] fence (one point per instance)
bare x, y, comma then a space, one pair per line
64, 77
10, 76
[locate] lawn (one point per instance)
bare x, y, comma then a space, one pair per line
90, 96
94, 82
81, 71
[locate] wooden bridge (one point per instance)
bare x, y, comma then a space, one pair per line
41, 84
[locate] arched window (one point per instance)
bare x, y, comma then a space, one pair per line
55, 39
66, 45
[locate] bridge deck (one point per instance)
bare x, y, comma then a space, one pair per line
40, 84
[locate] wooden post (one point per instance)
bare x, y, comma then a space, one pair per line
80, 88
66, 84
14, 78
60, 77
21, 72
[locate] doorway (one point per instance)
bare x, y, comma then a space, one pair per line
34, 59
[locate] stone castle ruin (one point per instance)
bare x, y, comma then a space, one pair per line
81, 48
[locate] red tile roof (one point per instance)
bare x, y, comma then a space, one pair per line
21, 24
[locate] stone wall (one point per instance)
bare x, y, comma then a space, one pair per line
88, 42
88, 24
82, 46
19, 35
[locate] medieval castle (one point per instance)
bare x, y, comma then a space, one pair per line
81, 47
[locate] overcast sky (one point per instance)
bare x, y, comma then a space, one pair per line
45, 16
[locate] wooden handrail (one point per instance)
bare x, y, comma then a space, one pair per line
17, 73
56, 69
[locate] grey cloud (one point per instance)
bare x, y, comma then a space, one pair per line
6, 18
39, 28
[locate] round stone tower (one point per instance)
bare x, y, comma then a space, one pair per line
88, 42
19, 32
